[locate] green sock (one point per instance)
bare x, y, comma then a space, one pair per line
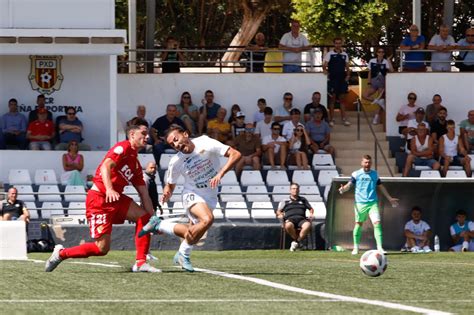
357, 234
378, 234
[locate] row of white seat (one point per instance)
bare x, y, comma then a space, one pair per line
429, 173
51, 193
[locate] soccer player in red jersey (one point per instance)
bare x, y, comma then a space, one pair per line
106, 205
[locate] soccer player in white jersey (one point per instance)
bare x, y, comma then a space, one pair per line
197, 161
366, 203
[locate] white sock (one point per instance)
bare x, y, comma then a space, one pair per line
167, 227
185, 249
465, 244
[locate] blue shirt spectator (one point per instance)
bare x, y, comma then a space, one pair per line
413, 41
70, 129
13, 126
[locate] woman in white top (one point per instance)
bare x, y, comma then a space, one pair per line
406, 113
452, 151
298, 145
421, 151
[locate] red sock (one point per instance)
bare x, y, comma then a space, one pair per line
82, 251
142, 244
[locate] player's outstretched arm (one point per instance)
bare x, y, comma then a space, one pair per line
233, 156
346, 187
393, 201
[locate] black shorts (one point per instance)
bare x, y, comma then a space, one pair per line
297, 221
337, 87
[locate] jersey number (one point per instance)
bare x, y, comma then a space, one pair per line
99, 219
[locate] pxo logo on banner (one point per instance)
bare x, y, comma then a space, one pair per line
45, 74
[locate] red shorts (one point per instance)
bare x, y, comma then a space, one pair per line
101, 215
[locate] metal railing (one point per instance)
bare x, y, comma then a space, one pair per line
453, 53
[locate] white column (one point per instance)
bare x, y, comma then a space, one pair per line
132, 35
417, 14
113, 99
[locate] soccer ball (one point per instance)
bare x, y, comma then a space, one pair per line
373, 263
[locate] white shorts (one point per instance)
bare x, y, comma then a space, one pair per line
191, 198
457, 248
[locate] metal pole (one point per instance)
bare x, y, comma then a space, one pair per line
417, 14
358, 120
251, 61
150, 33
448, 13
375, 153
132, 36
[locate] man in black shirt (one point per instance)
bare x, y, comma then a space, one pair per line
292, 212
439, 128
149, 176
310, 108
14, 209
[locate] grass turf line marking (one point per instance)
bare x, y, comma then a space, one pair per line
324, 294
170, 301
80, 263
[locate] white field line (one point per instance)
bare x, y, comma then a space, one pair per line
170, 301
331, 296
81, 263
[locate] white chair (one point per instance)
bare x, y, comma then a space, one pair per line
430, 174
319, 210
165, 160
217, 213
262, 210
236, 210
179, 182
19, 177
76, 208
303, 177
176, 197
229, 178
74, 193
280, 193
144, 158
456, 174
323, 162
132, 193
49, 209
262, 192
25, 192
49, 193
325, 177
420, 167
231, 193
275, 178
251, 178
310, 192
31, 206
46, 177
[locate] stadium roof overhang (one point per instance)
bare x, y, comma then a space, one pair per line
62, 42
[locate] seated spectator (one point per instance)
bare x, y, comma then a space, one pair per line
250, 146
421, 151
298, 148
40, 132
467, 131
406, 113
141, 114
432, 109
412, 125
188, 112
41, 103
170, 60
417, 233
259, 115
159, 128
319, 133
452, 151
13, 126
290, 125
292, 213
208, 111
233, 114
257, 55
70, 129
13, 208
264, 127
439, 128
413, 41
238, 126
310, 108
466, 57
73, 164
282, 114
462, 233
218, 128
443, 44
275, 148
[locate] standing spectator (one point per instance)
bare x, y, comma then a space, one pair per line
257, 54
319, 133
283, 113
41, 103
208, 111
171, 58
70, 129
292, 44
414, 61
406, 113
310, 108
73, 164
467, 57
218, 128
238, 127
188, 112
13, 126
439, 128
444, 44
40, 132
290, 125
13, 208
264, 127
467, 131
292, 213
234, 110
298, 148
462, 233
250, 148
452, 151
149, 178
336, 67
259, 115
417, 233
432, 109
275, 148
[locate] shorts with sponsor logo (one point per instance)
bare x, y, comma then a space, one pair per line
190, 198
364, 210
101, 215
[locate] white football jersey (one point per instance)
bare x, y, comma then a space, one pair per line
417, 229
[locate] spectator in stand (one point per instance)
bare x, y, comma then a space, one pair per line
171, 59
40, 132
208, 111
159, 128
283, 113
443, 44
467, 57
264, 127
259, 115
319, 134
73, 164
13, 127
149, 176
290, 125
413, 41
257, 54
141, 113
41, 103
292, 44
70, 129
467, 131
432, 109
218, 128
234, 110
406, 113
250, 148
439, 128
298, 148
239, 125
417, 233
275, 148
452, 151
412, 126
462, 233
336, 67
13, 208
378, 69
188, 112
310, 108
421, 150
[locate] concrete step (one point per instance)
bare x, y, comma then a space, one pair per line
351, 135
358, 145
347, 170
356, 154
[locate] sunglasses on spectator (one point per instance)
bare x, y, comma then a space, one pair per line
380, 51
289, 98
186, 96
412, 98
300, 130
276, 128
71, 113
470, 35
